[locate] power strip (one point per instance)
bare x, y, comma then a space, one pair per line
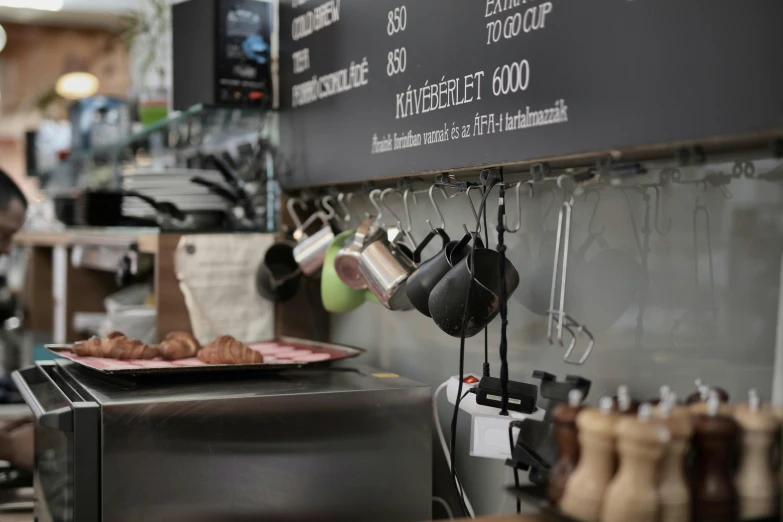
468, 403
488, 429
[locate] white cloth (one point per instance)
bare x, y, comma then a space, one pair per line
216, 275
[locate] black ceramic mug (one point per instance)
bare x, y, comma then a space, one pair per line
278, 277
447, 300
422, 282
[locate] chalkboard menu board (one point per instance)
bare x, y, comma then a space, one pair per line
380, 88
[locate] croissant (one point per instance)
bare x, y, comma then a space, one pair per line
89, 348
133, 349
227, 350
179, 345
115, 346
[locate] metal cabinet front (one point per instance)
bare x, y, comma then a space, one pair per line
67, 449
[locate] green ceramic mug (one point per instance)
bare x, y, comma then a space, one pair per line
337, 297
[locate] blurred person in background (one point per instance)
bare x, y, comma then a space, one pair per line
13, 207
16, 436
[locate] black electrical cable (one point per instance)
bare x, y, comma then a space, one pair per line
503, 301
472, 265
461, 488
486, 371
511, 426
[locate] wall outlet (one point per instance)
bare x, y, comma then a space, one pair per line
489, 437
488, 429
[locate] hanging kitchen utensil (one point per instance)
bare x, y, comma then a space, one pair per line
695, 318
701, 210
519, 248
606, 285
663, 231
431, 193
570, 325
447, 300
423, 280
558, 313
385, 268
480, 274
231, 176
327, 203
222, 191
517, 192
563, 244
170, 217
310, 251
241, 213
473, 207
342, 201
278, 278
429, 273
336, 296
404, 230
291, 205
535, 291
346, 261
279, 275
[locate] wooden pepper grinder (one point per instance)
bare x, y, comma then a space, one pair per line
698, 402
662, 395
777, 412
567, 438
633, 494
756, 480
715, 440
584, 490
702, 393
623, 402
673, 493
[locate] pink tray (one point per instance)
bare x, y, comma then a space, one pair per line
278, 355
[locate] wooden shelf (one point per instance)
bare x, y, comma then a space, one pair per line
84, 289
146, 239
52, 299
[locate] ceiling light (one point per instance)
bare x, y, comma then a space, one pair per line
40, 5
77, 85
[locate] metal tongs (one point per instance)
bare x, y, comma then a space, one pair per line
565, 321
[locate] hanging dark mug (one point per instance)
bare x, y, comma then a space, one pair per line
447, 300
278, 277
423, 280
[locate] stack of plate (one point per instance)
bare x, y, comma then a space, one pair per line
171, 185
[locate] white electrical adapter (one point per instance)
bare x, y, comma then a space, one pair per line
488, 429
